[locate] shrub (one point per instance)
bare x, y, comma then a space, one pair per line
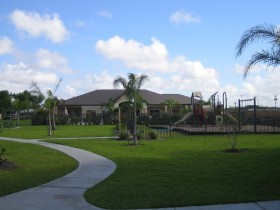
143, 120
40, 118
123, 135
139, 136
75, 120
152, 135
62, 120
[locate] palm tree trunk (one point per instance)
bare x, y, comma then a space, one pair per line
50, 124
18, 118
134, 124
53, 119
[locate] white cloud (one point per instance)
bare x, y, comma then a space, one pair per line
36, 25
105, 13
47, 59
6, 45
102, 81
181, 16
80, 23
249, 89
42, 66
253, 70
263, 87
18, 77
261, 84
156, 84
176, 74
89, 82
70, 92
134, 54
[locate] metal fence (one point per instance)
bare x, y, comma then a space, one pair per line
165, 125
214, 125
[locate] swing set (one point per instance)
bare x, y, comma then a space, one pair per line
240, 103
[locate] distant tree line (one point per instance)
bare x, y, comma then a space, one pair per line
17, 102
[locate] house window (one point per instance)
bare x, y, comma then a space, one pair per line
90, 113
77, 113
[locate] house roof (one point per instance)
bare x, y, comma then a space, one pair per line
102, 97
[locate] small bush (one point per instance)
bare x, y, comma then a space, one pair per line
40, 118
139, 136
123, 135
62, 120
152, 135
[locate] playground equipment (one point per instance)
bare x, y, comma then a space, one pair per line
183, 119
216, 111
216, 117
197, 112
254, 109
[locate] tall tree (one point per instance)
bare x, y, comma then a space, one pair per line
24, 99
50, 103
132, 90
27, 101
15, 105
5, 101
111, 107
170, 103
270, 57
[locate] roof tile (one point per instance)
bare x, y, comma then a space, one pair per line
102, 97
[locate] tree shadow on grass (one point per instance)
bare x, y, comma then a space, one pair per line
7, 165
236, 150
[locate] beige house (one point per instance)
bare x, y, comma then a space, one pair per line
95, 102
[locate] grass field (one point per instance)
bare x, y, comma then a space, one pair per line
193, 170
181, 171
41, 132
34, 165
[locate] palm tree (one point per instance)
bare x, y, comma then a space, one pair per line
132, 91
50, 104
170, 103
111, 107
270, 57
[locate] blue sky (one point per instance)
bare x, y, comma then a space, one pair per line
183, 46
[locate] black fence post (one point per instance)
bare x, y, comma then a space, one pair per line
239, 117
170, 129
255, 114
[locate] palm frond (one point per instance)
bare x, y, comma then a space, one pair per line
132, 85
270, 58
260, 32
36, 90
57, 85
142, 79
50, 94
120, 81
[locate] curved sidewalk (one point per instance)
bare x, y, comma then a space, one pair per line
65, 193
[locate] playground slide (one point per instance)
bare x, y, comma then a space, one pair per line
232, 117
187, 116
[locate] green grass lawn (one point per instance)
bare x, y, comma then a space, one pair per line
35, 165
41, 132
186, 171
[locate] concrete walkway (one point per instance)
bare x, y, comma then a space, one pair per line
66, 193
